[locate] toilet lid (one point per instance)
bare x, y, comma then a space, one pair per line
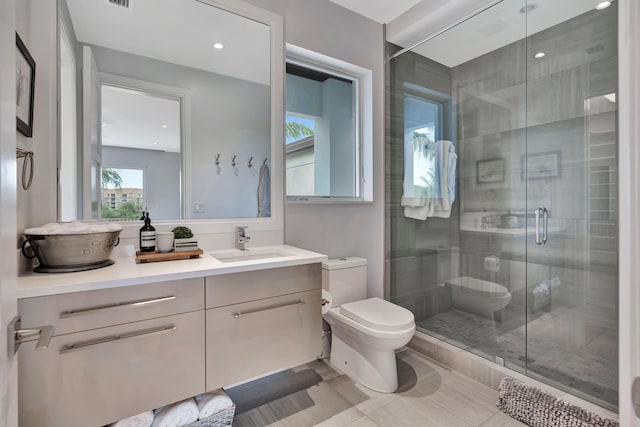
378, 314
478, 286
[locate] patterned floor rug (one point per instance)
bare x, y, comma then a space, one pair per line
538, 408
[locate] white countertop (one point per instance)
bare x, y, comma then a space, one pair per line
125, 271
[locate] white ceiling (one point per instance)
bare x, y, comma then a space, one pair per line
382, 11
135, 120
178, 31
410, 21
503, 24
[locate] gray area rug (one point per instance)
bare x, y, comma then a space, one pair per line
538, 408
264, 390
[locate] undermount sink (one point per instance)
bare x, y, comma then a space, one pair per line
250, 254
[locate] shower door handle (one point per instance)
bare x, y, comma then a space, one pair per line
545, 220
545, 228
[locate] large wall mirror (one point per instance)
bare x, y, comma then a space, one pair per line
166, 105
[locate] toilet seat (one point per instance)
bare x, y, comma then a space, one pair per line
379, 315
479, 287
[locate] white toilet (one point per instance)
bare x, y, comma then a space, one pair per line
365, 332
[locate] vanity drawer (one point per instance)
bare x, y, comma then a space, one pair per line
256, 338
235, 288
98, 377
82, 311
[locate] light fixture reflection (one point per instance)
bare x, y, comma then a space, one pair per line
539, 55
218, 46
603, 5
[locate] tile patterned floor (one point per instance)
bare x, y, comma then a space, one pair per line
429, 395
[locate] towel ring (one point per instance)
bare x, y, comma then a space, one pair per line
218, 159
233, 161
28, 159
250, 160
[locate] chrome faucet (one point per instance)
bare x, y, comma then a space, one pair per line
242, 238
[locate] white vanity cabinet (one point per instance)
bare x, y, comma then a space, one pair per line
261, 321
121, 350
115, 353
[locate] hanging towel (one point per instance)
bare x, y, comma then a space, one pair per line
437, 199
212, 403
264, 192
177, 414
141, 420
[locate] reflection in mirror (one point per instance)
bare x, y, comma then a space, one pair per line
164, 100
140, 132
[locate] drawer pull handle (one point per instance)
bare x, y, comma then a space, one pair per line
136, 334
111, 307
271, 307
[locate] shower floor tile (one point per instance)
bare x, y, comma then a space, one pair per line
559, 345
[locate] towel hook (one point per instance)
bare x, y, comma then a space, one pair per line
218, 159
28, 159
233, 160
265, 161
250, 160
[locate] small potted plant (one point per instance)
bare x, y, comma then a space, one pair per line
183, 240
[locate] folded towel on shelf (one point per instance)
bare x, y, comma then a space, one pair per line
141, 420
212, 403
177, 414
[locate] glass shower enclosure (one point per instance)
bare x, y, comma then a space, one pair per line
502, 190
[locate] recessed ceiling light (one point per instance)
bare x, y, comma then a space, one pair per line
218, 45
539, 55
603, 5
528, 8
104, 124
164, 126
155, 143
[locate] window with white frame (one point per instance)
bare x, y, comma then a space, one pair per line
328, 131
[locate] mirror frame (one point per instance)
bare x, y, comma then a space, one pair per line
226, 225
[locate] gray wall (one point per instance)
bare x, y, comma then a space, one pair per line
161, 177
228, 116
420, 251
339, 230
36, 25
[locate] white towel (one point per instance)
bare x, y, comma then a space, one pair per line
177, 414
212, 403
264, 192
141, 420
438, 204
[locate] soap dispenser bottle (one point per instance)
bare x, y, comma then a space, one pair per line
147, 234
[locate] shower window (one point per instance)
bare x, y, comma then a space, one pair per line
422, 128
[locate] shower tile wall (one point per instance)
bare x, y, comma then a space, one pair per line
420, 255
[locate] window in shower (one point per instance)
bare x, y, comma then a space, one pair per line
422, 128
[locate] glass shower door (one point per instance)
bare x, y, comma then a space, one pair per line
571, 185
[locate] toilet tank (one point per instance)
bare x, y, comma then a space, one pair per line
345, 279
